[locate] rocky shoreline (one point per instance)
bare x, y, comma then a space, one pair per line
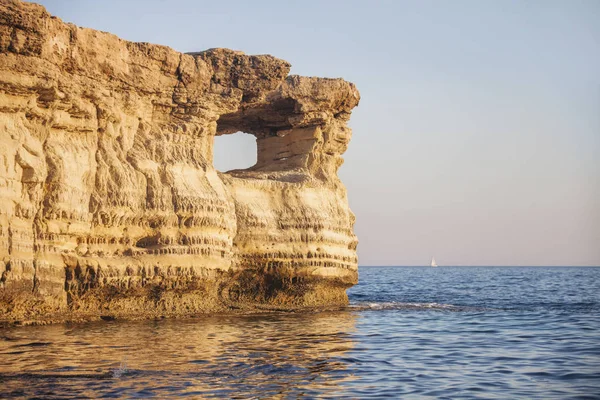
110, 206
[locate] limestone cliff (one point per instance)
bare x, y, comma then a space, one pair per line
110, 204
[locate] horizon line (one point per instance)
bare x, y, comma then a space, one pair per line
484, 265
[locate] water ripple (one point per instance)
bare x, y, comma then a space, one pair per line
450, 333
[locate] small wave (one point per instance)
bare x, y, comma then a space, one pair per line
35, 344
119, 372
414, 306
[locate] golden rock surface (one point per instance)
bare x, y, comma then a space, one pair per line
109, 202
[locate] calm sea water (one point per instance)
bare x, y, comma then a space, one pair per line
468, 332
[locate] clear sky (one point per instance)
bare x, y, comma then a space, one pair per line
477, 139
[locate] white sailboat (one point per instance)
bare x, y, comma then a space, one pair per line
433, 263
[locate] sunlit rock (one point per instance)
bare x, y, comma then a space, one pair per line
109, 201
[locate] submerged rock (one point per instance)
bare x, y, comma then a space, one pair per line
109, 202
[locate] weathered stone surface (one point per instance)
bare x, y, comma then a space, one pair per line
110, 204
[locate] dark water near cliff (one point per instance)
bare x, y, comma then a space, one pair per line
505, 333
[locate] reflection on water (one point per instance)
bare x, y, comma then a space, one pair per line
468, 333
261, 355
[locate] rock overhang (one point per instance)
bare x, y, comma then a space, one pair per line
111, 204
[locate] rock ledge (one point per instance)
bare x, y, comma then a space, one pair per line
110, 206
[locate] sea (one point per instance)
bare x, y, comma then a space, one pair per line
409, 333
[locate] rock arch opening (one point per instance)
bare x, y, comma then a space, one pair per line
234, 151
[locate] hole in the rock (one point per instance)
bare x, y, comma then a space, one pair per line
234, 151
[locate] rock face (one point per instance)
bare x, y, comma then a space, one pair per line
109, 201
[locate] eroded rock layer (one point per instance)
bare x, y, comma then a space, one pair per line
109, 201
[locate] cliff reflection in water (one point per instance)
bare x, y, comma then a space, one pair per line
262, 355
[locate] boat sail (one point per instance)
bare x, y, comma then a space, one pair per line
433, 263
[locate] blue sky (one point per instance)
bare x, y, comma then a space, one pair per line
477, 139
